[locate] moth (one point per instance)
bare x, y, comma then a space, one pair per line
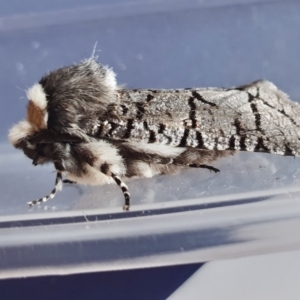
96, 132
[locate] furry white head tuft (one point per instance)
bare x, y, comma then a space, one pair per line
20, 131
37, 95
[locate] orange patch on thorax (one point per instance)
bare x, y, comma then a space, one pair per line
36, 115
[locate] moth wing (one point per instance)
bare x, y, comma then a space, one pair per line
257, 117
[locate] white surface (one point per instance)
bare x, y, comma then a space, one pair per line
263, 277
151, 235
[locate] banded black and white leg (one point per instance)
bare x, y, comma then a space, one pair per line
211, 168
124, 189
58, 187
68, 181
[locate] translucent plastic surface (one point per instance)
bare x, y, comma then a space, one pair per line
149, 44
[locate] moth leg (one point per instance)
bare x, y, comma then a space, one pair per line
211, 168
124, 189
69, 181
58, 187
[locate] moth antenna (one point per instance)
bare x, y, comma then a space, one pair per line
124, 189
58, 187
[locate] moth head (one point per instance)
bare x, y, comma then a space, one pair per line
36, 120
68, 101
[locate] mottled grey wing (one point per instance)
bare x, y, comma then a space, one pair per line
257, 117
